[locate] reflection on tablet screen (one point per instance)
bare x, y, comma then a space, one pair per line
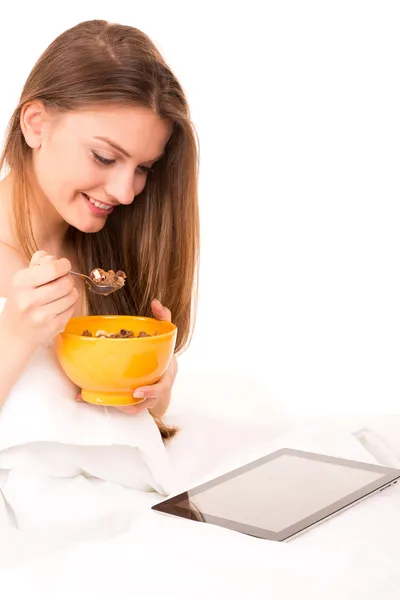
278, 493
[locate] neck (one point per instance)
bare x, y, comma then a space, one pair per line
48, 228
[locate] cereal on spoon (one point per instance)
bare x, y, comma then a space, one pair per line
102, 277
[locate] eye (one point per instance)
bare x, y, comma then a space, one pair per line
145, 170
103, 161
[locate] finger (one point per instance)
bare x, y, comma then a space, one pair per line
48, 270
79, 397
160, 312
61, 320
163, 385
49, 304
56, 314
37, 258
45, 294
134, 409
152, 391
173, 369
60, 306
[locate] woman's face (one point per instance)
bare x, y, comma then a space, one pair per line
89, 162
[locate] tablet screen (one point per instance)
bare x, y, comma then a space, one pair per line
281, 494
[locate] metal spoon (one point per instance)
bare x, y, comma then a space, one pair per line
97, 288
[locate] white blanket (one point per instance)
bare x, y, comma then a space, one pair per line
77, 483
86, 459
352, 556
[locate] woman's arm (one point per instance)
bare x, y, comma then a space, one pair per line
14, 354
40, 300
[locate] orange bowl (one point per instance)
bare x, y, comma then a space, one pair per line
107, 369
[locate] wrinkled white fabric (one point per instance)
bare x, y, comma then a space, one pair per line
56, 452
353, 555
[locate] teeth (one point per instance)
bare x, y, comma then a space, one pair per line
99, 204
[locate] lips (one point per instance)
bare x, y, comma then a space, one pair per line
97, 207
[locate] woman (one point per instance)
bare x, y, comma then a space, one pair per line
102, 172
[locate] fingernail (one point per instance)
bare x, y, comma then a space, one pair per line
138, 394
48, 257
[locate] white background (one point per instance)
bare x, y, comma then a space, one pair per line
297, 107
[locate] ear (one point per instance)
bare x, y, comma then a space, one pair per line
33, 120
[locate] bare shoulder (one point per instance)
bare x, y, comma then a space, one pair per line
11, 261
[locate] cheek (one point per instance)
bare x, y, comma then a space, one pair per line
140, 184
79, 172
49, 174
63, 173
84, 177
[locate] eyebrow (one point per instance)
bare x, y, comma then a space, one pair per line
121, 150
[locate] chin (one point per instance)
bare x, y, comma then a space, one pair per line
87, 225
91, 227
83, 219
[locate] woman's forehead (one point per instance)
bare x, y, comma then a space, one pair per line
136, 129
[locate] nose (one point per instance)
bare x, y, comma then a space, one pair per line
121, 188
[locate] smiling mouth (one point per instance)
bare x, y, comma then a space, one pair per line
98, 206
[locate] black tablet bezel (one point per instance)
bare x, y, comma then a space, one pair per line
171, 505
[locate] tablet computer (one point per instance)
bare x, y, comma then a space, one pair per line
280, 495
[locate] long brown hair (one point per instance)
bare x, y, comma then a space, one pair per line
154, 240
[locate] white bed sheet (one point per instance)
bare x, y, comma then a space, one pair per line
353, 556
